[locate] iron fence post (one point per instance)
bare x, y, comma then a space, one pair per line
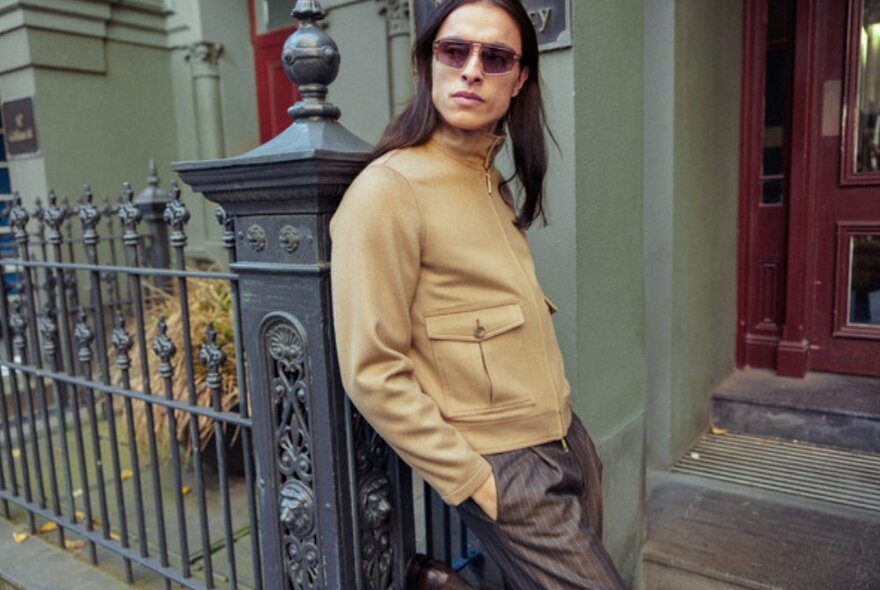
335, 505
152, 202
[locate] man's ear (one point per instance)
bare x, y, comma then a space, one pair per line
520, 80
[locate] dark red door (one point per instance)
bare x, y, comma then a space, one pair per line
275, 92
845, 335
809, 279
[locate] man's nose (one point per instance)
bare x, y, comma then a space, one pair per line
473, 69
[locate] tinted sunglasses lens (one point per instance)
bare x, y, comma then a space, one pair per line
454, 54
497, 60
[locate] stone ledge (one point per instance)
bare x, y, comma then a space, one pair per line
139, 23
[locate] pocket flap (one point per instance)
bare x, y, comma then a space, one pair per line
474, 325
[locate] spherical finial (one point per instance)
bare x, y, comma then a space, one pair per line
311, 61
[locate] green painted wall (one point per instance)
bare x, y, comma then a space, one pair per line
692, 103
706, 153
103, 128
608, 117
609, 378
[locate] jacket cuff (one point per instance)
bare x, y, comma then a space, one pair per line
480, 474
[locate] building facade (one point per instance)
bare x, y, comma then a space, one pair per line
690, 230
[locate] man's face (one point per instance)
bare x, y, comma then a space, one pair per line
467, 98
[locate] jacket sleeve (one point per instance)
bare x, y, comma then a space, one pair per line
374, 271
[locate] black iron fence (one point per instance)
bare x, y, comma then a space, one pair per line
91, 381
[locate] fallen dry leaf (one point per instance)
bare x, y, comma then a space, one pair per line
74, 544
79, 516
20, 537
126, 474
185, 490
16, 453
47, 527
115, 536
718, 431
77, 492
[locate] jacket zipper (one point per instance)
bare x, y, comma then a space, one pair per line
486, 164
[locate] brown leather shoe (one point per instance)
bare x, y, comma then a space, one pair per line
424, 573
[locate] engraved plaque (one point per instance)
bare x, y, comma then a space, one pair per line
552, 20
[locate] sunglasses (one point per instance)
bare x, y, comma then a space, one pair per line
494, 59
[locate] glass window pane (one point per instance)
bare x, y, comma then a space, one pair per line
273, 14
771, 192
867, 154
864, 275
5, 187
2, 149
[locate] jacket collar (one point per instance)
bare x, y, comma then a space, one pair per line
476, 149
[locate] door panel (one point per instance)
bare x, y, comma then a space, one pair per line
845, 334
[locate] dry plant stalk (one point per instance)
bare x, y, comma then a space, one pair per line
209, 301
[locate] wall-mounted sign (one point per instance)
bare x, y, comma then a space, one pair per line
20, 127
552, 20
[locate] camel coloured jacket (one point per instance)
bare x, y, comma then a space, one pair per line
444, 336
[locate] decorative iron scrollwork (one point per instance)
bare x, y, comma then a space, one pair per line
256, 237
84, 337
213, 357
89, 215
297, 513
122, 341
18, 324
18, 219
130, 215
228, 223
49, 330
164, 349
289, 238
176, 215
54, 215
375, 505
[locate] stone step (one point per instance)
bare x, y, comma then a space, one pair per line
827, 409
707, 534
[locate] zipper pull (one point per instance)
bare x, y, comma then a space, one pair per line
564, 444
488, 183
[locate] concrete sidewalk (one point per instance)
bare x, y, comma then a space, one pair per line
38, 564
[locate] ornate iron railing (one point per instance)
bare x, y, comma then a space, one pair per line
72, 456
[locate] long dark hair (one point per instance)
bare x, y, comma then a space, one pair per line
525, 120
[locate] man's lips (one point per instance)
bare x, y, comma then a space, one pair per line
467, 98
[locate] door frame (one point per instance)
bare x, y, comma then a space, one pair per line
792, 348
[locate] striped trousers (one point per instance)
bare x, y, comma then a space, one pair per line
549, 527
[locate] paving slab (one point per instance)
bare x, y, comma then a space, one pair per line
38, 565
738, 537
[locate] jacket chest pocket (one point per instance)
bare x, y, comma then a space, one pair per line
482, 358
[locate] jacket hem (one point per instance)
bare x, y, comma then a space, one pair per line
520, 432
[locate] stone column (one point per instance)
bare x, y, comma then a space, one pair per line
398, 26
335, 504
204, 58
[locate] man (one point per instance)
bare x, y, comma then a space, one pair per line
445, 339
